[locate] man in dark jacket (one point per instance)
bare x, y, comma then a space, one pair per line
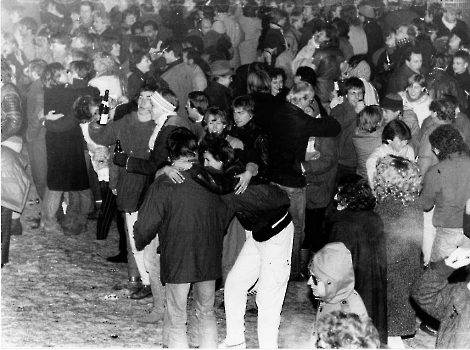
448, 302
412, 65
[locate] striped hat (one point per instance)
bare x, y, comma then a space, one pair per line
160, 100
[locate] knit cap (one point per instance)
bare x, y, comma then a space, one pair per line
362, 70
393, 102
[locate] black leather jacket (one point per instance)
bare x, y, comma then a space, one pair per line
12, 114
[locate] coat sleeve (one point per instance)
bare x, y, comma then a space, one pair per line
104, 135
12, 115
65, 123
428, 195
259, 197
328, 157
432, 291
151, 214
323, 127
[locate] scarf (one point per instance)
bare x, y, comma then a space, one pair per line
168, 109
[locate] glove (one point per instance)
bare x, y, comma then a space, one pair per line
120, 159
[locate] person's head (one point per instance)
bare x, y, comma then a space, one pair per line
278, 17
9, 44
101, 21
35, 69
413, 59
457, 38
59, 42
181, 144
81, 40
296, 19
306, 74
396, 134
85, 108
221, 72
342, 330
195, 42
258, 81
216, 121
137, 29
54, 74
326, 35
143, 101
172, 50
86, 11
243, 110
446, 140
138, 43
354, 88
392, 107
76, 55
190, 56
104, 63
365, 12
130, 16
111, 44
369, 119
206, 25
28, 26
342, 27
451, 13
358, 67
278, 76
222, 7
150, 29
80, 70
335, 11
196, 106
141, 60
331, 270
430, 29
250, 9
164, 102
215, 151
460, 62
416, 86
301, 95
355, 194
443, 109
397, 178
310, 10
349, 14
404, 31
15, 13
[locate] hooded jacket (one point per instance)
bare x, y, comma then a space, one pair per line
333, 266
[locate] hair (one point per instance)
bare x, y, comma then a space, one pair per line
199, 100
406, 56
349, 14
429, 28
81, 108
275, 72
111, 66
369, 118
103, 16
7, 72
170, 96
245, 102
137, 57
196, 43
301, 90
217, 113
29, 23
441, 60
331, 32
150, 23
105, 43
135, 26
250, 9
138, 43
464, 55
79, 55
444, 109
174, 45
83, 69
355, 193
37, 66
307, 74
222, 7
86, 38
87, 3
131, 11
277, 15
397, 178
10, 38
342, 27
60, 38
395, 128
181, 143
218, 147
259, 81
51, 74
341, 330
447, 140
353, 83
417, 78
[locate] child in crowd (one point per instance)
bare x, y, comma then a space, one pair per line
395, 139
332, 282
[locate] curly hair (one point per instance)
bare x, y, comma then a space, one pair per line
51, 74
369, 119
342, 330
301, 90
218, 147
218, 114
444, 108
355, 193
447, 140
82, 108
397, 178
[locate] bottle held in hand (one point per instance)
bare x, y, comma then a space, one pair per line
118, 148
104, 109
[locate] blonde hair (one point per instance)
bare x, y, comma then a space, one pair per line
300, 91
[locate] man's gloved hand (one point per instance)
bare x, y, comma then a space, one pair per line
120, 159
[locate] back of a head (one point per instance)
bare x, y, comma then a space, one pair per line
181, 143
301, 90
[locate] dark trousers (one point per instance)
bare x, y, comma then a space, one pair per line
315, 235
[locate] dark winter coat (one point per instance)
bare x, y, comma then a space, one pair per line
12, 113
403, 227
447, 302
65, 146
134, 136
399, 79
219, 96
362, 232
345, 114
289, 131
15, 180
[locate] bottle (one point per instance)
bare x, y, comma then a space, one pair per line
118, 148
104, 109
337, 89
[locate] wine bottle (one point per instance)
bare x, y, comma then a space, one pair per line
104, 109
118, 148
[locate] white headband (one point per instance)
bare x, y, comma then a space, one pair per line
167, 106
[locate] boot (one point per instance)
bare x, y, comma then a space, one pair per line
304, 260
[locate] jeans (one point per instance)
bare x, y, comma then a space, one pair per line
138, 256
152, 265
38, 161
447, 240
429, 235
298, 202
269, 263
176, 314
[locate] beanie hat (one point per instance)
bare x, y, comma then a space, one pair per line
393, 102
362, 70
273, 41
366, 11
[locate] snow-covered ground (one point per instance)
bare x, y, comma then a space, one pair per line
55, 293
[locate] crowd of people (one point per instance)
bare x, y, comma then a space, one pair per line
250, 144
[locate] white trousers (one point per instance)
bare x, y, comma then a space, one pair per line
269, 262
131, 218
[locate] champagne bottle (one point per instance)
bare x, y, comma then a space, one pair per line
104, 109
118, 148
